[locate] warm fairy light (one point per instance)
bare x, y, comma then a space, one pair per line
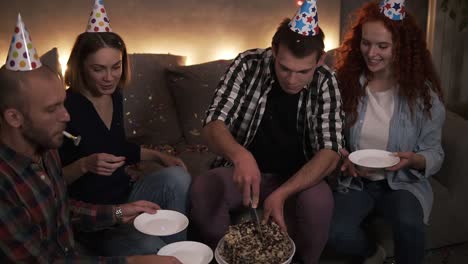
164, 49
299, 3
226, 54
191, 56
63, 63
330, 43
188, 61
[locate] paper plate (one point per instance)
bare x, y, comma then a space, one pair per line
188, 252
373, 158
163, 223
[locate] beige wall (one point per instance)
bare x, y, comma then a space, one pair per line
330, 20
417, 7
203, 30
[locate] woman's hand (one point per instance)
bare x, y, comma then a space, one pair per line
169, 160
134, 172
101, 163
409, 160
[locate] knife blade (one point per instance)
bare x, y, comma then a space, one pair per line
255, 219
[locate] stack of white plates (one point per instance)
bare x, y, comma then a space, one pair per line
166, 223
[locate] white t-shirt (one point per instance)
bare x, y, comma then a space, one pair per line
376, 125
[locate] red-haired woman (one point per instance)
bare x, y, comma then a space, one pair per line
393, 101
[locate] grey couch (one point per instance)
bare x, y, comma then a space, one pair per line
164, 109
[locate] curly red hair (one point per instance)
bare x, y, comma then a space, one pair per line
412, 65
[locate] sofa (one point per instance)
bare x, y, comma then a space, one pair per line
165, 104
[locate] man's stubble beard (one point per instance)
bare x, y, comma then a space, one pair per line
38, 138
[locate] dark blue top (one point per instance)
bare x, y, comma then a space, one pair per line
97, 138
277, 147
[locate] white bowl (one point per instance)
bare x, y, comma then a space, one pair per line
220, 259
373, 158
188, 252
162, 223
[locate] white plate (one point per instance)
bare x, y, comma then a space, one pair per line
163, 223
188, 252
373, 158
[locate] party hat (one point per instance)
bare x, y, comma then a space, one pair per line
393, 9
98, 20
22, 55
305, 22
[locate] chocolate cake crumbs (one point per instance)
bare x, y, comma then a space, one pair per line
243, 245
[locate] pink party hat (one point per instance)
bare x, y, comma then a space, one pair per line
305, 22
393, 9
98, 19
22, 55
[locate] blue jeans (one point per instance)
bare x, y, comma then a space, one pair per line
169, 189
399, 208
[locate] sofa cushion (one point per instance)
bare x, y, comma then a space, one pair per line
460, 108
197, 159
51, 60
454, 142
149, 110
192, 88
444, 215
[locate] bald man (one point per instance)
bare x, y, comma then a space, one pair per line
35, 220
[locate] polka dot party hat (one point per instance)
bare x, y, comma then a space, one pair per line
393, 9
98, 19
22, 55
305, 22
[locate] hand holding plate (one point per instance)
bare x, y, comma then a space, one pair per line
408, 160
133, 209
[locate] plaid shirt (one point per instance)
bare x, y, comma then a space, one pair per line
241, 97
35, 223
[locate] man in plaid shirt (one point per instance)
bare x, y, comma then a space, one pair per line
35, 221
276, 122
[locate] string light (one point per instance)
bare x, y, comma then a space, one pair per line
63, 59
299, 3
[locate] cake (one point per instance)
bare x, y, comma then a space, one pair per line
243, 245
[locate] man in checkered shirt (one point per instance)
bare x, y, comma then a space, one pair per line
276, 122
36, 216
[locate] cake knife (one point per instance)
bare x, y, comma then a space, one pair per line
255, 219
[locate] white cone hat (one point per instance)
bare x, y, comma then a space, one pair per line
98, 19
22, 55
